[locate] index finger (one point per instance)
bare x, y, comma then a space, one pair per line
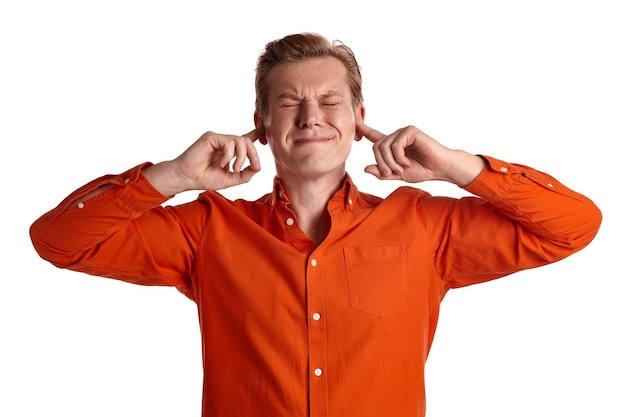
371, 134
255, 134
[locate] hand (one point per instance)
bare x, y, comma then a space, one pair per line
411, 155
213, 162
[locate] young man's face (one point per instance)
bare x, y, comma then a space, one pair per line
311, 121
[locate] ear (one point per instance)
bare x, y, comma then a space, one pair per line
258, 121
359, 114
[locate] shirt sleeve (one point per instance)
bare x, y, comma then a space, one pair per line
119, 233
522, 219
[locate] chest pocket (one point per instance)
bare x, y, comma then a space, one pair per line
377, 279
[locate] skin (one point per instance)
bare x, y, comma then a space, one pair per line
310, 126
311, 121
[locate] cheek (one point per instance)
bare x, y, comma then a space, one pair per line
270, 125
344, 118
278, 121
345, 123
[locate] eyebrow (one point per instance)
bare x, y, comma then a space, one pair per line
294, 96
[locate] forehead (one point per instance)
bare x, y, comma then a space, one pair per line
317, 75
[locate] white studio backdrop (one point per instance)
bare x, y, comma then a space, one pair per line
90, 88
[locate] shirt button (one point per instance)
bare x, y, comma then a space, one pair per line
550, 185
504, 169
350, 201
127, 180
80, 205
314, 262
317, 316
289, 221
317, 372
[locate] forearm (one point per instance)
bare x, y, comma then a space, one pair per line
119, 233
161, 176
562, 218
523, 219
90, 214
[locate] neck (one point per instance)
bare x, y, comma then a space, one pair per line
309, 199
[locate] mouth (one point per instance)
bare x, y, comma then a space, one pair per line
311, 140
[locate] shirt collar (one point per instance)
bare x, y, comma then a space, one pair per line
347, 194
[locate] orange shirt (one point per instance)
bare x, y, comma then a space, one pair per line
341, 329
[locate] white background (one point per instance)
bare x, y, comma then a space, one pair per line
89, 88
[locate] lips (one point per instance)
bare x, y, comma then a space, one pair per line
311, 140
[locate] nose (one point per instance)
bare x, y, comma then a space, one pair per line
309, 114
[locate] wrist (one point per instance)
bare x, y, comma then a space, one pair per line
464, 168
165, 178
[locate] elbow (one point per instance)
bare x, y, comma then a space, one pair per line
44, 244
587, 227
595, 220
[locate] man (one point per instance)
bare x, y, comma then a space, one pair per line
316, 299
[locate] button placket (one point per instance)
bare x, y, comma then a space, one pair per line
317, 338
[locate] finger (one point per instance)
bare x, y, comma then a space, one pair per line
398, 149
381, 165
246, 151
228, 150
371, 134
236, 178
253, 157
391, 154
240, 154
385, 156
375, 171
256, 133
